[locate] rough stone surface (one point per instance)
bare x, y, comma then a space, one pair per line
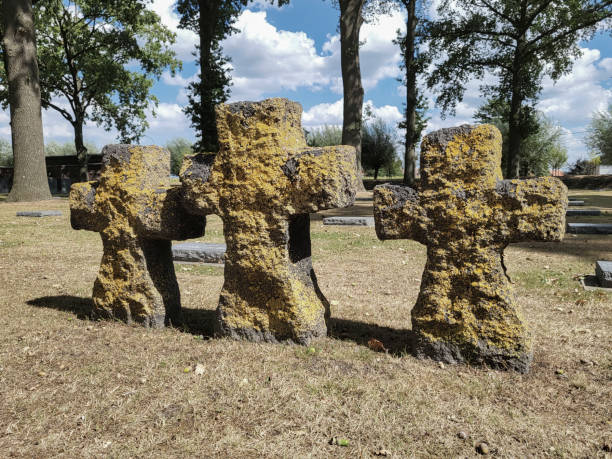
352, 221
575, 203
40, 213
589, 228
571, 212
263, 183
466, 215
137, 214
603, 271
199, 252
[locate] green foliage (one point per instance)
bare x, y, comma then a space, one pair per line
599, 135
6, 153
213, 21
517, 42
326, 136
541, 150
178, 149
100, 56
378, 146
67, 149
585, 167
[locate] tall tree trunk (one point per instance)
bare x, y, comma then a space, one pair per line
350, 23
19, 45
209, 10
81, 150
411, 94
514, 121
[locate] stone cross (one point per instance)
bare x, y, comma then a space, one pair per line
263, 184
137, 214
466, 215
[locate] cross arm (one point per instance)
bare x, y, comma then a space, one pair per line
161, 215
532, 209
398, 214
83, 212
321, 178
200, 196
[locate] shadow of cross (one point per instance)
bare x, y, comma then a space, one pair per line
263, 183
137, 214
466, 215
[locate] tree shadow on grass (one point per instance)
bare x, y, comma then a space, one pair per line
199, 322
79, 306
397, 342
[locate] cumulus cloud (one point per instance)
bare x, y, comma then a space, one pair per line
186, 40
266, 59
331, 114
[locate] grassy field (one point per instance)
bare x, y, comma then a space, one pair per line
72, 387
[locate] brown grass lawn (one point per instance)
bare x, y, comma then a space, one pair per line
72, 387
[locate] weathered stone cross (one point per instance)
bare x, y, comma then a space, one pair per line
137, 214
263, 183
466, 215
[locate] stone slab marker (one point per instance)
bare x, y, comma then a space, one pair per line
466, 215
137, 214
263, 183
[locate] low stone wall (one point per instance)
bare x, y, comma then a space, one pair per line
588, 182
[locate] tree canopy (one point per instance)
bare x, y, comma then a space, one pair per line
213, 21
541, 151
97, 62
378, 146
510, 45
599, 135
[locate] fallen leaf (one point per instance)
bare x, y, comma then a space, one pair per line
376, 345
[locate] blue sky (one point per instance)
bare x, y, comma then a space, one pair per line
294, 52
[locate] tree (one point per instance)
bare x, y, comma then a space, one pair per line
326, 136
6, 154
66, 149
599, 135
541, 150
178, 149
20, 90
378, 146
213, 21
87, 53
351, 20
584, 167
413, 63
517, 42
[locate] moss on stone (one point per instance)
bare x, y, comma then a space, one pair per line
263, 183
466, 215
137, 213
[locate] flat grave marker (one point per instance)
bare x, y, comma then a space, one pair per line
199, 252
589, 228
349, 221
40, 213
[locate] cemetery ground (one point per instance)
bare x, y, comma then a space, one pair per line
74, 387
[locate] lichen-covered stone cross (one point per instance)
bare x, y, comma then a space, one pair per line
466, 215
263, 183
137, 214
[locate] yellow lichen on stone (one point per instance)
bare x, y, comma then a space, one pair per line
263, 183
137, 213
466, 215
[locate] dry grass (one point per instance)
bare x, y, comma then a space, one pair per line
71, 387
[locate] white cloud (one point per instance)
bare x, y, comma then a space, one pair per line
5, 126
575, 96
332, 114
186, 40
266, 60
